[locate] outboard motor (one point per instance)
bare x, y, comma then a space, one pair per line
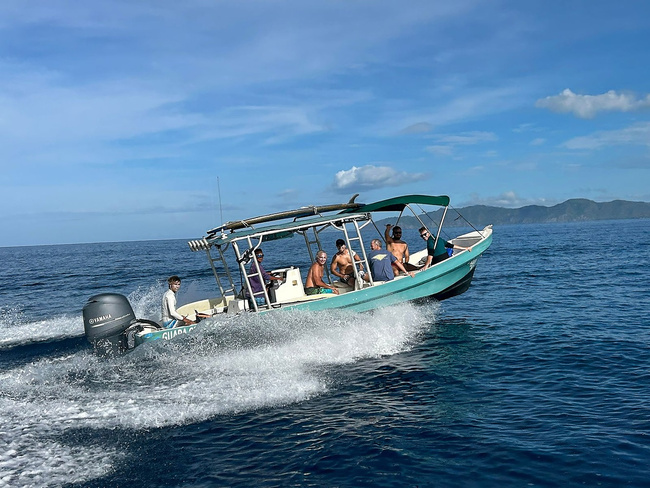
109, 323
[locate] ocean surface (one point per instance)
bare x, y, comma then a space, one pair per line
539, 375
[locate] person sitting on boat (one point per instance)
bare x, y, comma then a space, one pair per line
381, 263
314, 284
257, 284
170, 317
399, 248
437, 252
341, 264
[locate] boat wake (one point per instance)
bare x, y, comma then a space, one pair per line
247, 362
16, 331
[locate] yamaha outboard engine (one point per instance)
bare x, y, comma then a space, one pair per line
109, 323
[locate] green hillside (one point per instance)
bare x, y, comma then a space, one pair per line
574, 210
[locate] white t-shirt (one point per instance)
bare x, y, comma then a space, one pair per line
169, 307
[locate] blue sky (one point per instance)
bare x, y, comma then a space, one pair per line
119, 120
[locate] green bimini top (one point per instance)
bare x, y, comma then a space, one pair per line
397, 204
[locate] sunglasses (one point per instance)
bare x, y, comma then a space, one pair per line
259, 255
424, 235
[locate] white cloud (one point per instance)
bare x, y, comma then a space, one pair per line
538, 141
372, 177
587, 106
635, 135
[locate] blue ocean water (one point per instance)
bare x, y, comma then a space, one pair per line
539, 375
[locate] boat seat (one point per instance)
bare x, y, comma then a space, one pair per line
342, 286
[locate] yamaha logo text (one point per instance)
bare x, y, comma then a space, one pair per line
99, 319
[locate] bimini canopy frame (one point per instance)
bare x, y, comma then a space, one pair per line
280, 230
252, 238
310, 210
398, 204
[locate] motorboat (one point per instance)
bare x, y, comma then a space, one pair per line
230, 250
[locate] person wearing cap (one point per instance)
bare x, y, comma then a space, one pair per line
259, 281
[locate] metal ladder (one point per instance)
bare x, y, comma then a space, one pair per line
204, 245
256, 272
222, 260
319, 246
363, 259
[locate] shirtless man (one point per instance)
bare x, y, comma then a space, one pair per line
398, 248
341, 264
314, 283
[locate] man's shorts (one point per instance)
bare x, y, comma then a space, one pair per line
317, 290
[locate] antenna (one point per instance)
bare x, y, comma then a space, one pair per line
220, 207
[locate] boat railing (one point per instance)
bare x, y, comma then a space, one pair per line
363, 261
314, 244
243, 259
221, 259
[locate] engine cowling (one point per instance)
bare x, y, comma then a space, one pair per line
106, 318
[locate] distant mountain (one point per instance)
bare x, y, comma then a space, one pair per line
574, 210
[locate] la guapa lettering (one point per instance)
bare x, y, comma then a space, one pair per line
169, 334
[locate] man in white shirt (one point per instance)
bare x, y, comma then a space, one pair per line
170, 317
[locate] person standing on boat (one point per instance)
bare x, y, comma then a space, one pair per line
258, 281
398, 247
437, 252
314, 284
341, 264
381, 263
170, 317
